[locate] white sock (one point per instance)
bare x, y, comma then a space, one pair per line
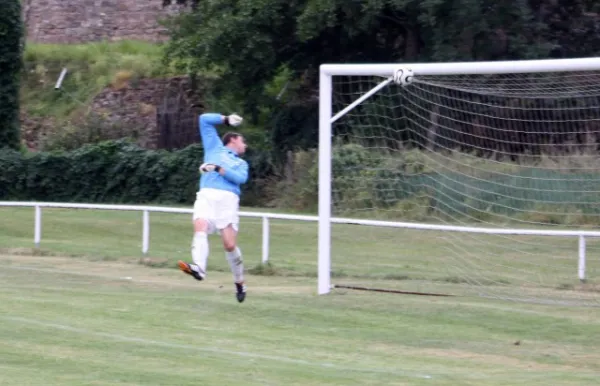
236, 264
200, 251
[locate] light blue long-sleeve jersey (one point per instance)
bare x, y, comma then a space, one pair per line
236, 169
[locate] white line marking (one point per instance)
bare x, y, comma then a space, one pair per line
149, 342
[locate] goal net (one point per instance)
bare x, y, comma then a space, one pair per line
470, 184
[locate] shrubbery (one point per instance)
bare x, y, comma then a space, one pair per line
111, 172
415, 185
408, 185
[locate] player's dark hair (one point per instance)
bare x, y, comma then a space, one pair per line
229, 136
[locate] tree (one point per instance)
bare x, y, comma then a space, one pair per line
11, 40
245, 43
248, 41
248, 44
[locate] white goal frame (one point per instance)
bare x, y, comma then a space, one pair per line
394, 72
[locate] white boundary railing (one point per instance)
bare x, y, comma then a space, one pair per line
265, 216
37, 234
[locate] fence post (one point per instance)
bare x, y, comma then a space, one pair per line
37, 231
581, 265
265, 239
145, 232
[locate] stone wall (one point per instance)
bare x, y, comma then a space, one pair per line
160, 113
77, 21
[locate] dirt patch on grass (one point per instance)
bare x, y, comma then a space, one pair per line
522, 358
151, 277
492, 359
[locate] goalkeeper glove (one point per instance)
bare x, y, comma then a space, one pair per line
206, 168
233, 120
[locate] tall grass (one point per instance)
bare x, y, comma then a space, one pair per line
91, 67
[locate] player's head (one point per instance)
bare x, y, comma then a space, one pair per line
235, 142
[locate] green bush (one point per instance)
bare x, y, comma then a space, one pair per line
367, 183
295, 127
420, 186
11, 34
351, 169
112, 172
296, 185
92, 128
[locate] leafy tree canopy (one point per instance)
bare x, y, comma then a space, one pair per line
249, 42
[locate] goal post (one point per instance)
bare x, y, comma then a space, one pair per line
325, 144
490, 81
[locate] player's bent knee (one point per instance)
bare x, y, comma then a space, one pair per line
200, 225
228, 235
229, 242
229, 245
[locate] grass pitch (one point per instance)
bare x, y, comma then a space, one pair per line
89, 309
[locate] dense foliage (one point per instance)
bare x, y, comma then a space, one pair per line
411, 185
268, 52
266, 55
109, 172
11, 33
408, 185
249, 42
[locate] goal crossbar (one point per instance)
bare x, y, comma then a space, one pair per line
464, 68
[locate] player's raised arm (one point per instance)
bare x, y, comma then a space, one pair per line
208, 132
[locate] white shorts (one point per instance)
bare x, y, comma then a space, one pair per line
218, 207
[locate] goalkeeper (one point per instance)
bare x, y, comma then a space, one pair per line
217, 201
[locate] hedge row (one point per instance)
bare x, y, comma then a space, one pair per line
110, 172
403, 185
411, 185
